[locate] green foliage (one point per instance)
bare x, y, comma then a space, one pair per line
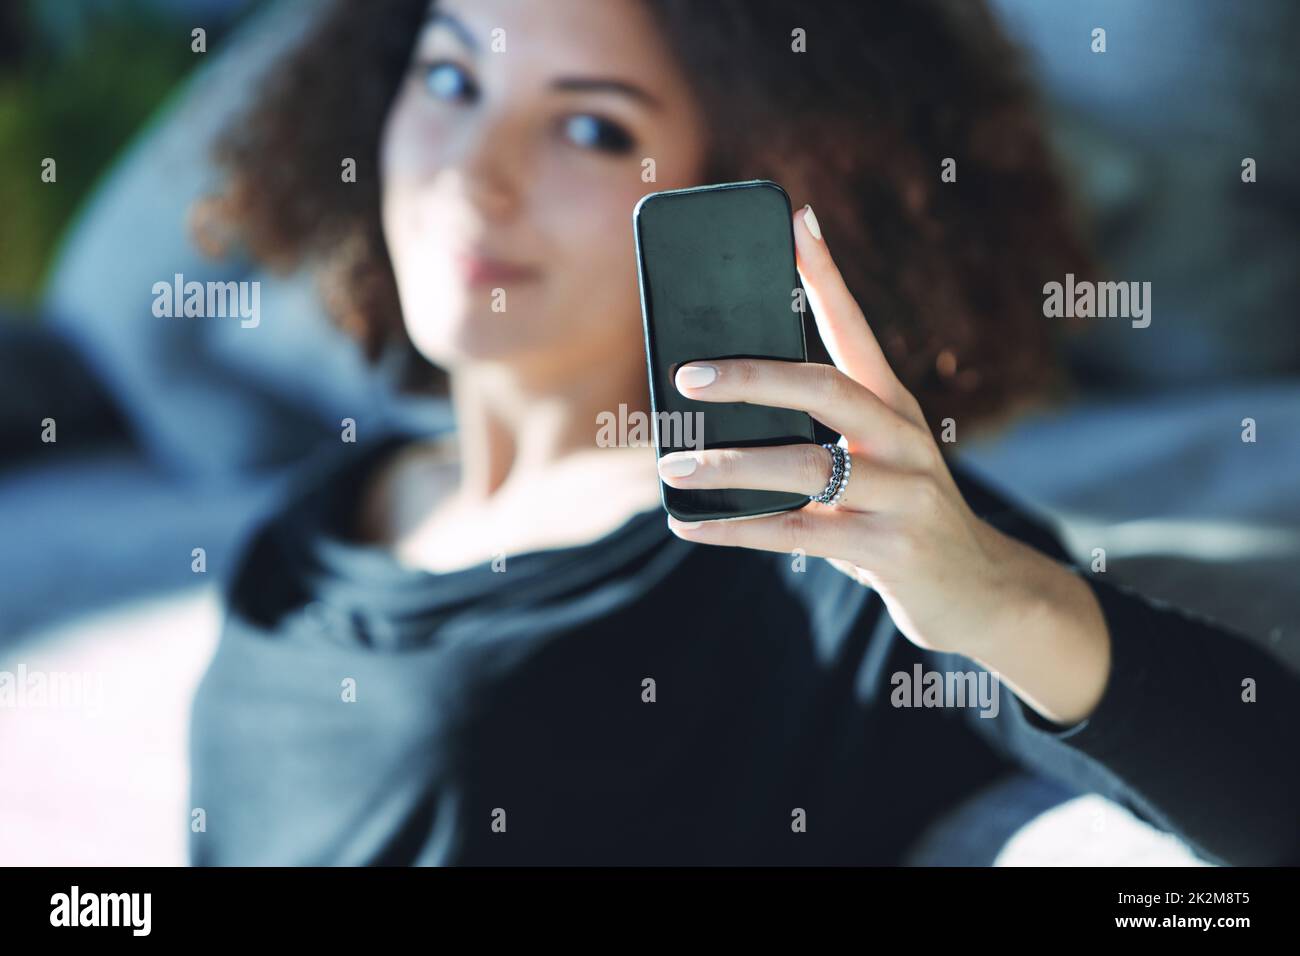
78, 102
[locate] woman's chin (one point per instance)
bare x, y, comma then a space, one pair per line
477, 339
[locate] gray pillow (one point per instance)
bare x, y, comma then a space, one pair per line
207, 395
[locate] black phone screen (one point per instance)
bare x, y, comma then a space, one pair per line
718, 280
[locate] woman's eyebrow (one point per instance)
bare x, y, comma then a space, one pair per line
439, 18
569, 83
599, 85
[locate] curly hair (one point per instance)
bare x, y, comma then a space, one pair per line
949, 274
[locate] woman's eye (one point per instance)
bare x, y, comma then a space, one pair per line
447, 81
594, 132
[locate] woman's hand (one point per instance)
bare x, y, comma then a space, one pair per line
950, 581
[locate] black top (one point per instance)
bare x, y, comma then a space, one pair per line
645, 700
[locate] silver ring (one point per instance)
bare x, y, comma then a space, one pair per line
841, 469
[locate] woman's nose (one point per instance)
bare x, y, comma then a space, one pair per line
491, 171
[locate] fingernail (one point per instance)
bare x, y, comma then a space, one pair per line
696, 376
810, 220
684, 525
672, 466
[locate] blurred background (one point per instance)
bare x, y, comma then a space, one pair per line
173, 437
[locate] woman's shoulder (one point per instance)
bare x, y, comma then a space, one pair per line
403, 477
335, 485
322, 500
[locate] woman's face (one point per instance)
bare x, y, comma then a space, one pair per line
511, 160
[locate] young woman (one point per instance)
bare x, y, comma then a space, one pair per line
487, 645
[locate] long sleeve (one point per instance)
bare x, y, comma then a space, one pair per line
1196, 731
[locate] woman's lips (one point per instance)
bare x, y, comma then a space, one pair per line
478, 269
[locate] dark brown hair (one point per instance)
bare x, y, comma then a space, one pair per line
950, 275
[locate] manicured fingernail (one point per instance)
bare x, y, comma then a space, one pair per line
672, 466
810, 220
685, 525
696, 376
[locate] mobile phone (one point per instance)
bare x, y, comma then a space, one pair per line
717, 274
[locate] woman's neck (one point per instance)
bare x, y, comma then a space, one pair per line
513, 424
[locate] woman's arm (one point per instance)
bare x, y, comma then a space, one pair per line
1194, 729
1053, 647
1151, 694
